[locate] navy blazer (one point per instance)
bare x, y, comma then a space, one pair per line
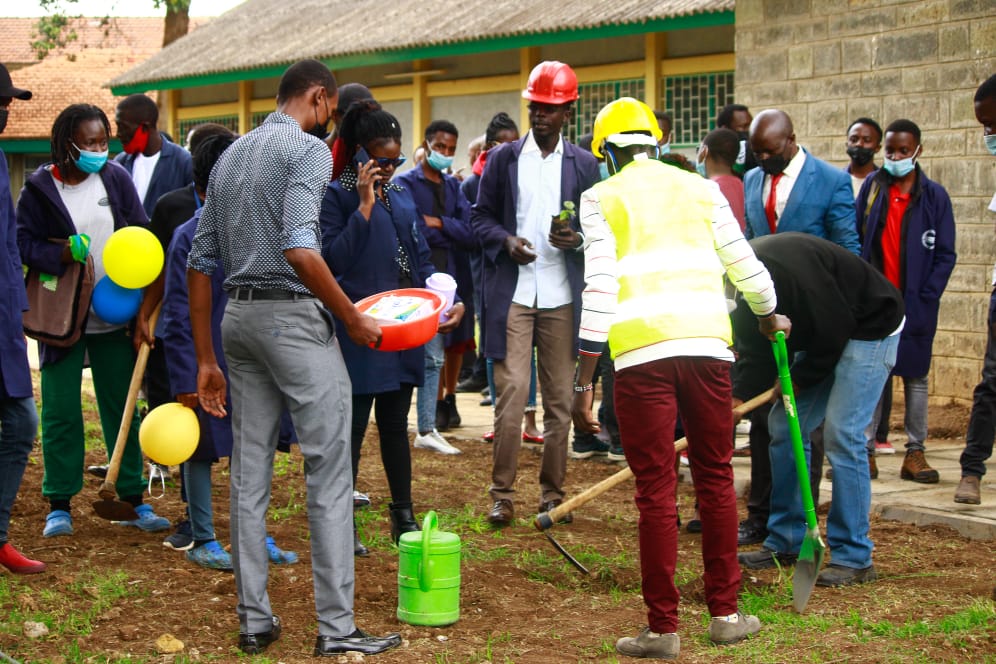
927, 258
821, 204
173, 170
493, 218
36, 223
361, 255
15, 374
456, 237
178, 340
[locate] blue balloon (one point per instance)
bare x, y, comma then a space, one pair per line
115, 304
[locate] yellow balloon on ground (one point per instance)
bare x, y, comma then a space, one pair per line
133, 257
169, 434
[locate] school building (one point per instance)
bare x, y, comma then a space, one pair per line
824, 62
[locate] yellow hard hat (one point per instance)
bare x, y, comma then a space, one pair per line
622, 116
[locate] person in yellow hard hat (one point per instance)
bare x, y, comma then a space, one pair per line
657, 242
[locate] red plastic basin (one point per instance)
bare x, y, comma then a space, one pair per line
412, 333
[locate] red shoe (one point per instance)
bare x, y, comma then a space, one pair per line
526, 438
12, 559
489, 437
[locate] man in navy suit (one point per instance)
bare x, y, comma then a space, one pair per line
794, 191
533, 277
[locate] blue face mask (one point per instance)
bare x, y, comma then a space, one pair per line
991, 143
900, 167
90, 162
603, 170
438, 161
700, 169
665, 149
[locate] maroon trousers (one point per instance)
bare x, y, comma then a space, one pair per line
648, 397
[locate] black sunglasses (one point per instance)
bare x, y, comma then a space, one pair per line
384, 162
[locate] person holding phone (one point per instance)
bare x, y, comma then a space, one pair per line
371, 242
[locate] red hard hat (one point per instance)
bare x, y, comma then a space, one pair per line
551, 82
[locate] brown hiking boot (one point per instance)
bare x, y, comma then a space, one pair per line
915, 468
968, 491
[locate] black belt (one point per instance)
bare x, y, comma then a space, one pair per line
268, 294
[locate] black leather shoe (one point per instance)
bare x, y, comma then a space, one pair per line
253, 644
548, 506
838, 575
402, 520
442, 415
452, 417
474, 383
749, 533
765, 558
358, 641
501, 513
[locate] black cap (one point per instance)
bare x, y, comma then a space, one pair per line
7, 88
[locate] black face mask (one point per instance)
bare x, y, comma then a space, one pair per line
774, 165
860, 155
4, 113
318, 129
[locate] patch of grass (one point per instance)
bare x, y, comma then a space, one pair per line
285, 464
488, 654
69, 613
294, 505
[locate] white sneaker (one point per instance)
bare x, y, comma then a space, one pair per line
435, 442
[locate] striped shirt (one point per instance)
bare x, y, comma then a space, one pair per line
263, 199
600, 297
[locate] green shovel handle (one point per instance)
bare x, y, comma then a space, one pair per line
788, 399
429, 524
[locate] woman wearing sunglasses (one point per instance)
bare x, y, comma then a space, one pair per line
371, 242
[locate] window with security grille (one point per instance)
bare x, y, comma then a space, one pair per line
694, 101
258, 117
592, 97
184, 126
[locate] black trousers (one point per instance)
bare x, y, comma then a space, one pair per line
982, 421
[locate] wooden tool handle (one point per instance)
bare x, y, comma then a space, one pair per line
107, 489
592, 492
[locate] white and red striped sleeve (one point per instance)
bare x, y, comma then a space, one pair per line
600, 297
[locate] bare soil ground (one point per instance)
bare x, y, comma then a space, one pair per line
519, 601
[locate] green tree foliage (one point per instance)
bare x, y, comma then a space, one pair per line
55, 30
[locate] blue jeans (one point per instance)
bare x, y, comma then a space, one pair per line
846, 401
197, 480
428, 393
18, 426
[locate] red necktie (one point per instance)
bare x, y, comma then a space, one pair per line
769, 207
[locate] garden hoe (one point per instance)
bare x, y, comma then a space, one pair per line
811, 553
108, 507
545, 520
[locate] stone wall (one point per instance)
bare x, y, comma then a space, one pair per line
827, 62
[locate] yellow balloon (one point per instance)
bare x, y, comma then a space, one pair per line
133, 257
169, 434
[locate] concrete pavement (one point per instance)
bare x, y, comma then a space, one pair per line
892, 498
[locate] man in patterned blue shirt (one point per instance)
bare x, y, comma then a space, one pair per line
261, 221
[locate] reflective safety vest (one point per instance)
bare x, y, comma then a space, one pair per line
670, 278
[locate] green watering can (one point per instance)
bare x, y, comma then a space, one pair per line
429, 576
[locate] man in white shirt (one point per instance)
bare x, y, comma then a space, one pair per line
533, 276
